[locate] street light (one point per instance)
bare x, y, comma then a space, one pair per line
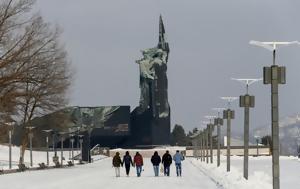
257, 141
10, 131
218, 121
274, 75
90, 129
211, 129
247, 102
54, 138
80, 141
228, 114
47, 143
70, 131
194, 144
30, 136
206, 138
206, 143
72, 147
77, 143
62, 147
202, 143
203, 137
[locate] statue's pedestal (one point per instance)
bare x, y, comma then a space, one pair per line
146, 130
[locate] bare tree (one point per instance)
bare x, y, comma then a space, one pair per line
14, 40
34, 70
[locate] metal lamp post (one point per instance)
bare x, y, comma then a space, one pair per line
206, 143
47, 143
229, 115
200, 145
207, 139
10, 132
218, 121
247, 102
257, 141
72, 147
203, 144
30, 136
9, 137
70, 131
194, 144
274, 75
55, 158
80, 142
90, 129
62, 147
211, 129
77, 144
54, 136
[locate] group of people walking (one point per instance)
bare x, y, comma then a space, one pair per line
156, 160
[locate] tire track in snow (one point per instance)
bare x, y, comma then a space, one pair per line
219, 185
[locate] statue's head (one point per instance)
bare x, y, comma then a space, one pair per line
158, 54
150, 53
153, 53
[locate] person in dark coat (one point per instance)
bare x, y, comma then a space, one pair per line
117, 163
138, 161
127, 161
167, 161
155, 160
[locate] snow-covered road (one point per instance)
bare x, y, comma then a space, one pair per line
100, 174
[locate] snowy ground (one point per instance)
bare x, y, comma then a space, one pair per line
260, 172
196, 174
100, 174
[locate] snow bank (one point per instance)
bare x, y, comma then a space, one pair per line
234, 179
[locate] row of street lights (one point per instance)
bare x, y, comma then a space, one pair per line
48, 133
273, 75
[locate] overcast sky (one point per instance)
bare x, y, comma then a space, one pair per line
209, 44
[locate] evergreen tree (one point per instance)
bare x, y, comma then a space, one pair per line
266, 140
178, 136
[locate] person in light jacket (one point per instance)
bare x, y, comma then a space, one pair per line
178, 158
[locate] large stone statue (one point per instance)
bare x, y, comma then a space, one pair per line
150, 121
154, 58
153, 77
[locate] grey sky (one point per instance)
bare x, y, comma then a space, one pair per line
208, 42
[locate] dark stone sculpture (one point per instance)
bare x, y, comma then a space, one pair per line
150, 121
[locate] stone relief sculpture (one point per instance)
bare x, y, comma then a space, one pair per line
91, 116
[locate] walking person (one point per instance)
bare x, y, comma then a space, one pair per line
167, 161
117, 162
138, 161
155, 160
127, 161
178, 158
